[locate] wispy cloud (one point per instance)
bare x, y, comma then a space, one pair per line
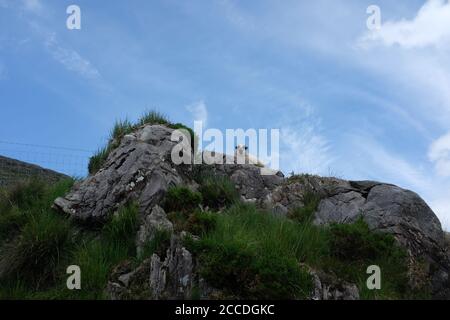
70, 59
198, 111
303, 146
374, 161
430, 27
34, 6
439, 154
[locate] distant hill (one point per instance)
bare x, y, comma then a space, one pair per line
12, 171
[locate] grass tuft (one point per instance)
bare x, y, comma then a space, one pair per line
122, 128
218, 191
181, 198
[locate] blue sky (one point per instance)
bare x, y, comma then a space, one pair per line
349, 102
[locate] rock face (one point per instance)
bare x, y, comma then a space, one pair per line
152, 223
385, 208
140, 169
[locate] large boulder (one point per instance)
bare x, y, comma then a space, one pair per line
140, 169
386, 208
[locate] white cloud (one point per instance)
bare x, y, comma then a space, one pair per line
441, 206
71, 59
34, 6
303, 147
199, 111
430, 27
303, 150
388, 165
439, 154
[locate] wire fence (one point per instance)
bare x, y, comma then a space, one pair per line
19, 161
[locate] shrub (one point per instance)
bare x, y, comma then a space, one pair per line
218, 191
357, 242
182, 198
354, 247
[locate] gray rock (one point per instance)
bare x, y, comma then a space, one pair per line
138, 169
153, 222
402, 213
171, 278
341, 208
328, 287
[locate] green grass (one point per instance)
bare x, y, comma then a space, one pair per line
305, 214
33, 261
33, 238
124, 127
197, 222
354, 247
181, 198
251, 254
218, 191
245, 252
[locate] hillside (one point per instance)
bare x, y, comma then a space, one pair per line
13, 171
141, 227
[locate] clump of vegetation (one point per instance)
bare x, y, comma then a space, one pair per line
38, 244
181, 198
157, 245
218, 191
354, 247
305, 214
197, 222
33, 238
35, 255
122, 228
122, 128
250, 254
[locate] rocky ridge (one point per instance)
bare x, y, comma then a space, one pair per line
140, 169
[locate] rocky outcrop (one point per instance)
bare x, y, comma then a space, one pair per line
140, 169
385, 208
327, 287
170, 277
